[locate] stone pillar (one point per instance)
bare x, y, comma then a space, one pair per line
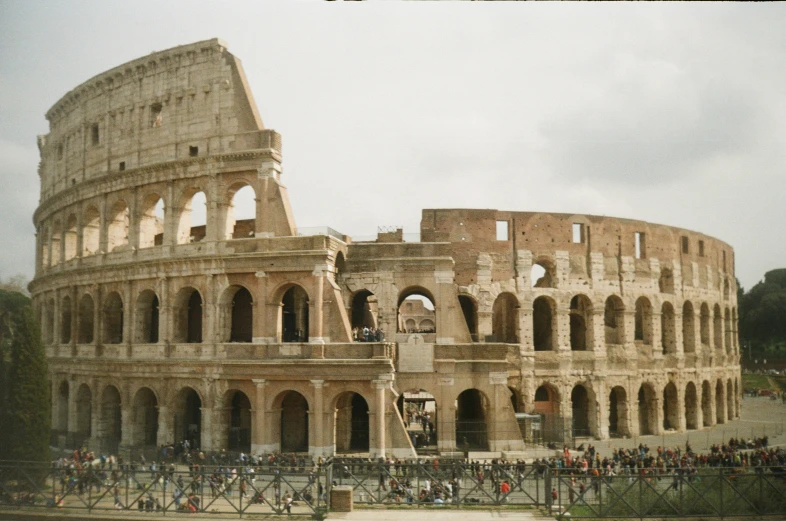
379, 423
264, 332
74, 316
96, 416
127, 425
72, 413
165, 319
210, 314
315, 334
601, 429
485, 324
164, 426
683, 422
98, 323
561, 330
208, 411
129, 315
258, 418
318, 441
171, 223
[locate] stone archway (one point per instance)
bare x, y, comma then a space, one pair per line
647, 410
618, 413
671, 412
691, 407
471, 414
293, 422
351, 423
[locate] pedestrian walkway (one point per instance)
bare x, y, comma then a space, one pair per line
435, 514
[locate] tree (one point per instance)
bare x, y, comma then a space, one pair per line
24, 387
16, 283
763, 312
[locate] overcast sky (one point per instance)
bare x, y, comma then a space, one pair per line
672, 114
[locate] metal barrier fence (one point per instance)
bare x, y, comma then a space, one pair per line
211, 489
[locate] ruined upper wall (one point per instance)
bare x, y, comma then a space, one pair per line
472, 232
185, 102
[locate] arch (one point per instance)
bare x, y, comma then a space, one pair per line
543, 274
411, 325
294, 315
192, 219
688, 327
340, 267
293, 425
364, 310
85, 320
668, 329
720, 416
55, 243
643, 321
236, 311
544, 325
691, 407
581, 323
415, 303
237, 421
671, 407
110, 423
515, 399
706, 403
65, 320
469, 308
351, 432
647, 409
717, 328
583, 408
419, 411
505, 318
113, 319
729, 400
61, 420
472, 408
726, 286
117, 227
666, 281
727, 331
145, 418
547, 404
84, 413
91, 232
704, 325
614, 320
187, 424
618, 412
241, 212
426, 325
151, 221
70, 238
188, 316
147, 317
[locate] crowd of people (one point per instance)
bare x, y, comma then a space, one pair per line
367, 334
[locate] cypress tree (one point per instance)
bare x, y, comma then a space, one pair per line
24, 386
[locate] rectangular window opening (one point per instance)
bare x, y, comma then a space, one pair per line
122, 166
156, 115
724, 260
701, 248
94, 136
641, 246
502, 230
60, 151
685, 245
193, 151
578, 233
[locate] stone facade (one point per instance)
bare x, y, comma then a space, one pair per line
238, 333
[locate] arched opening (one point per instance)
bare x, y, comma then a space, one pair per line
647, 410
469, 308
188, 417
293, 422
85, 320
145, 429
548, 406
55, 242
618, 413
666, 281
414, 306
351, 423
111, 421
61, 421
151, 222
364, 310
113, 319
237, 420
188, 316
671, 411
84, 414
48, 326
729, 400
704, 325
91, 232
43, 244
505, 318
241, 327
720, 413
418, 410
582, 409
543, 334
643, 321
340, 268
668, 330
117, 229
691, 407
717, 328
241, 213
688, 327
725, 289
614, 320
193, 217
515, 399
471, 413
294, 315
70, 238
727, 331
542, 274
65, 320
427, 326
581, 326
147, 317
706, 403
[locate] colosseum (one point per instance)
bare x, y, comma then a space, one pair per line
179, 301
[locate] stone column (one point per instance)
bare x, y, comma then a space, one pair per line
126, 418
258, 418
318, 440
129, 316
601, 411
683, 421
379, 424
164, 426
209, 315
208, 423
171, 223
96, 415
98, 323
316, 326
72, 413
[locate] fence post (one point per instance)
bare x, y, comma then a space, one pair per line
720, 471
547, 485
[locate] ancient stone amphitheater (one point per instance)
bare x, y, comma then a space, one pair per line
168, 316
